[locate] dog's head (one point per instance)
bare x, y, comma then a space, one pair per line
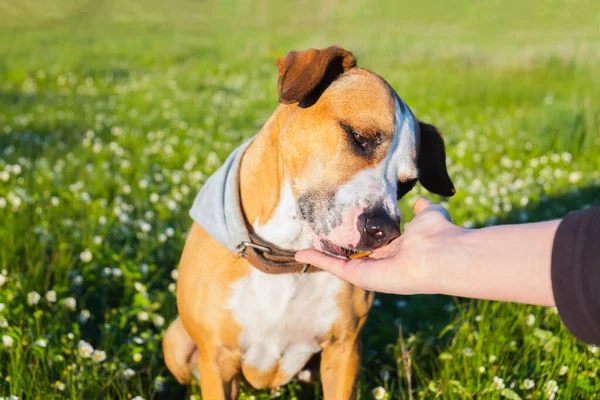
366, 149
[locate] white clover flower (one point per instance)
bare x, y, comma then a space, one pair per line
50, 296
99, 356
481, 369
493, 359
549, 346
175, 274
528, 384
54, 201
60, 386
162, 238
143, 316
70, 303
137, 357
7, 341
138, 398
85, 349
138, 340
158, 321
563, 370
2, 280
77, 280
468, 352
154, 198
143, 184
170, 232
2, 307
432, 387
145, 227
97, 240
41, 343
498, 383
84, 315
593, 349
128, 373
85, 256
172, 287
171, 204
139, 287
3, 202
106, 271
551, 386
33, 298
478, 318
379, 393
3, 322
117, 272
530, 320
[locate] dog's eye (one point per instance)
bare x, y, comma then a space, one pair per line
359, 139
363, 141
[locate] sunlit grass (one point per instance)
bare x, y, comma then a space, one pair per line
111, 119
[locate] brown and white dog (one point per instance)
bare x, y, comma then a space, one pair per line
325, 171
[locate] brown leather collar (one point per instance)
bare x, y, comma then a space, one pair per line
271, 259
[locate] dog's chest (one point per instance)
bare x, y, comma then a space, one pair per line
282, 317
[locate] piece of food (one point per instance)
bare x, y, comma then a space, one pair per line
361, 254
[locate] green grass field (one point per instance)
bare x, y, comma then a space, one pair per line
113, 113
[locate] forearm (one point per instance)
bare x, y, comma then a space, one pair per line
508, 263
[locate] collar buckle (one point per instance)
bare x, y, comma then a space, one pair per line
241, 249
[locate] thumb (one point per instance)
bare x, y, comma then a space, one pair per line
422, 204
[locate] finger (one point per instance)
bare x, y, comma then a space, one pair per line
323, 261
361, 272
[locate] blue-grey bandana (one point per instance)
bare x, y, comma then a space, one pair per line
217, 206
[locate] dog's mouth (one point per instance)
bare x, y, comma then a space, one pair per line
335, 250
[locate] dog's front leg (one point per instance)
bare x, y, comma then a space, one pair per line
340, 362
219, 374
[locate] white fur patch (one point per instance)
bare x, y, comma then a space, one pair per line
284, 228
283, 317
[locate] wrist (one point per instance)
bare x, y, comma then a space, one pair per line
450, 253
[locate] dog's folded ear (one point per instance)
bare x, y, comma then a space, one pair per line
433, 174
307, 73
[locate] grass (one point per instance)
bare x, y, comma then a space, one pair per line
113, 113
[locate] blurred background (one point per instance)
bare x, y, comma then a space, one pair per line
113, 113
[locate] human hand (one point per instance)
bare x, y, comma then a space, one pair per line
416, 262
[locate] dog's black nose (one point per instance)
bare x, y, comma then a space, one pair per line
378, 227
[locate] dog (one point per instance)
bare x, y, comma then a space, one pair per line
325, 171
